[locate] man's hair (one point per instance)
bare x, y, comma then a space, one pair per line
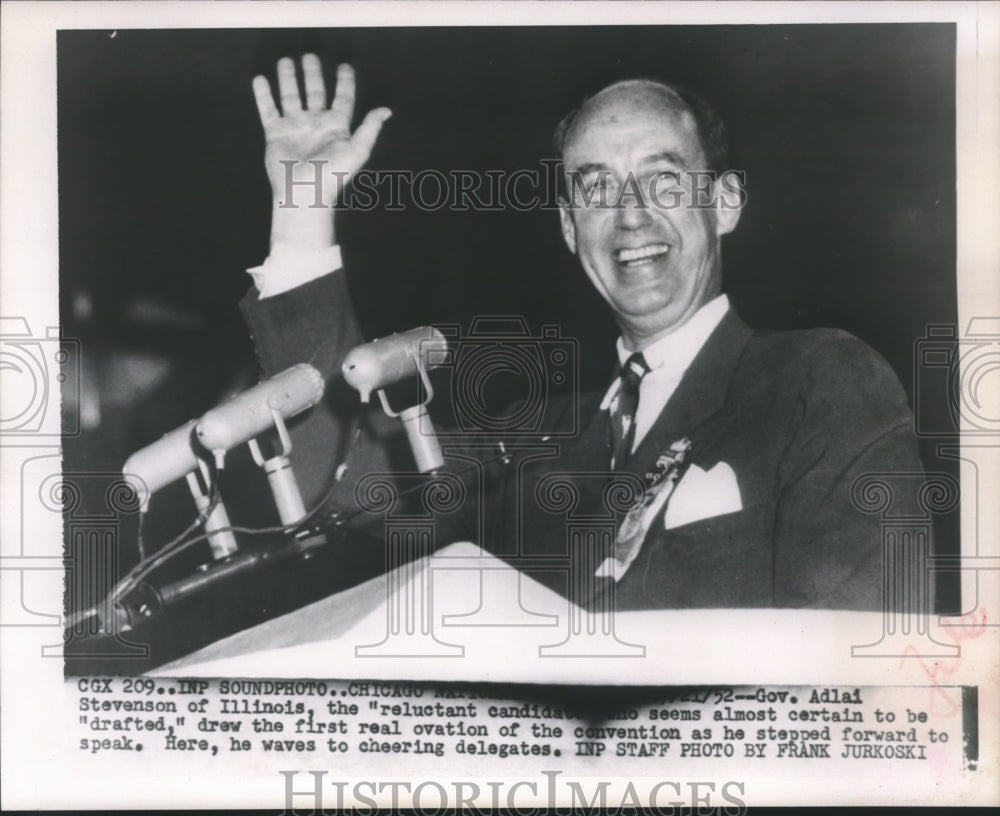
709, 126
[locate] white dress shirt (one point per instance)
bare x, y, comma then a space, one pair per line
668, 358
285, 268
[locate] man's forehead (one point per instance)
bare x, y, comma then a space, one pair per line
633, 104
641, 92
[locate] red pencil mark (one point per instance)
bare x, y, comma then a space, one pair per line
975, 627
945, 701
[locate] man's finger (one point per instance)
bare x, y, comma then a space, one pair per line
265, 102
367, 132
312, 73
343, 99
288, 88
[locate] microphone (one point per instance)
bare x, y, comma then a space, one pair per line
253, 411
390, 359
165, 461
256, 410
372, 366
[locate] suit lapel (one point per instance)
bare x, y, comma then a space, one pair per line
588, 450
699, 396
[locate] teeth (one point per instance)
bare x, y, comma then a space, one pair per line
640, 253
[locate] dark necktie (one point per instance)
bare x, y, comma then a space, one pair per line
623, 409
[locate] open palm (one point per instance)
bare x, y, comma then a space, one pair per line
298, 138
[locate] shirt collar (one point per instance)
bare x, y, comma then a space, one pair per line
673, 353
676, 351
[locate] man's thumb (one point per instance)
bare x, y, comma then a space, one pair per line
367, 132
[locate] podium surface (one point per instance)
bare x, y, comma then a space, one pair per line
464, 615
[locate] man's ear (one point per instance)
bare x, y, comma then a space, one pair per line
568, 227
730, 196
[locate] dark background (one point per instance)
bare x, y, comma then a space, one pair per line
846, 134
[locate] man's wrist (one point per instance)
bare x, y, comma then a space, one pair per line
288, 267
301, 228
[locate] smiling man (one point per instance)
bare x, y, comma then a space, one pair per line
634, 157
743, 446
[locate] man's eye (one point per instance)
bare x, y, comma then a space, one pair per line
668, 180
595, 190
601, 184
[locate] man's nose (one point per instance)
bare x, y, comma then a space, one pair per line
632, 212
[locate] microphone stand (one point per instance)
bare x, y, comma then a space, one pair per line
217, 524
280, 476
425, 446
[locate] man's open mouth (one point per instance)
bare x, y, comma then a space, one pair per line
640, 255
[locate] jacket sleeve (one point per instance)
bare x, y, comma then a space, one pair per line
315, 323
851, 423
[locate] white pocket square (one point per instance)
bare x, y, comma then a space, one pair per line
703, 494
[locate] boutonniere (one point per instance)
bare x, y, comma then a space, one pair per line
660, 483
669, 465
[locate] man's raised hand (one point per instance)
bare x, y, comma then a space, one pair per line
298, 138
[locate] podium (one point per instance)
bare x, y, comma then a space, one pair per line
681, 647
418, 607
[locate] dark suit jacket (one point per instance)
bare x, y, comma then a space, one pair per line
797, 416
